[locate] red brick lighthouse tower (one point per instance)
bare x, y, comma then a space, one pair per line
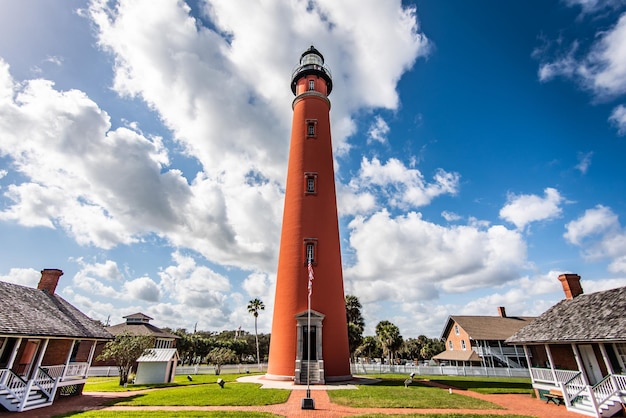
310, 235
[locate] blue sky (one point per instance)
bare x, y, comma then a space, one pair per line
479, 152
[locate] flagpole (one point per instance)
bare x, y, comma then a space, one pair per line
308, 403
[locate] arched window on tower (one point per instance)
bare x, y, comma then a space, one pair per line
311, 85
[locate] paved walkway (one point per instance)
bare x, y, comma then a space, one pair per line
514, 404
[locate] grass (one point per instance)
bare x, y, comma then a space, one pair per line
487, 385
111, 384
233, 394
440, 416
166, 414
391, 393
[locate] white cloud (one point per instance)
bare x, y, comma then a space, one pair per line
143, 288
600, 235
618, 118
193, 285
201, 81
24, 277
603, 68
593, 6
378, 131
403, 187
584, 161
450, 216
407, 259
521, 210
596, 221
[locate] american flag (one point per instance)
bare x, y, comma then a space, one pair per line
310, 267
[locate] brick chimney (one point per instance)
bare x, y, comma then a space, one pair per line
571, 285
502, 311
49, 280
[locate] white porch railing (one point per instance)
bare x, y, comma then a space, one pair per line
546, 375
72, 370
12, 383
610, 386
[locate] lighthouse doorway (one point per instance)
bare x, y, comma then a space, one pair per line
309, 367
308, 343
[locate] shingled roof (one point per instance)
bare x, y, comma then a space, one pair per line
142, 327
25, 311
489, 328
599, 316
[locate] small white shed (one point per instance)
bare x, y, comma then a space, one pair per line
157, 365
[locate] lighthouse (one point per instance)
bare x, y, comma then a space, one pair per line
309, 341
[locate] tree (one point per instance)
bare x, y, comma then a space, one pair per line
254, 306
389, 336
356, 323
353, 312
125, 349
221, 355
370, 348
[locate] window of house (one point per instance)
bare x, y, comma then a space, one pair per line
163, 343
621, 353
463, 344
450, 345
456, 329
310, 183
311, 84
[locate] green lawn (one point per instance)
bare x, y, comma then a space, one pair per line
391, 393
488, 385
440, 416
166, 414
111, 384
236, 394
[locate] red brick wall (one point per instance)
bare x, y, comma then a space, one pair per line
57, 352
563, 357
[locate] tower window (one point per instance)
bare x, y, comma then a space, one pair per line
311, 84
310, 183
311, 125
310, 251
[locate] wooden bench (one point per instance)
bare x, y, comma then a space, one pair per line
554, 396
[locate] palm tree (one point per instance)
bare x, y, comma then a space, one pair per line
389, 336
254, 306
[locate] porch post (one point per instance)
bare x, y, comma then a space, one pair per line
42, 351
532, 377
579, 363
549, 353
67, 359
16, 348
605, 357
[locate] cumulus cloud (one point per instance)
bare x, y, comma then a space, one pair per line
378, 131
600, 235
143, 288
403, 187
521, 210
408, 259
24, 277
